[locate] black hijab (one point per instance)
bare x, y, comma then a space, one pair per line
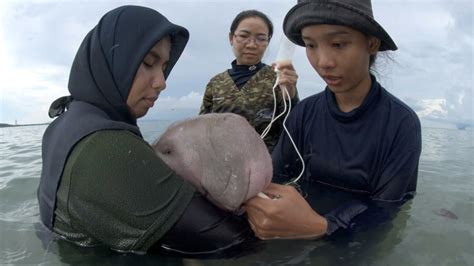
99, 83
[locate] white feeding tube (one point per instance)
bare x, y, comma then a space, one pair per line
284, 56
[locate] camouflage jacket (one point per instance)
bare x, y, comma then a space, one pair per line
254, 101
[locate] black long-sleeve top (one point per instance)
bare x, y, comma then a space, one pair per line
361, 165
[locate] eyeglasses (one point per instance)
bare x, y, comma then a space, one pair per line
245, 39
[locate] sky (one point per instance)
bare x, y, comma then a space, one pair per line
432, 71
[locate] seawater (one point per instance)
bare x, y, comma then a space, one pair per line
436, 228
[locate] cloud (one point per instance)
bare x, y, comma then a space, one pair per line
192, 100
29, 92
38, 41
175, 108
459, 105
39, 32
430, 108
461, 11
455, 109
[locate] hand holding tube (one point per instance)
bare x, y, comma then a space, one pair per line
285, 215
287, 76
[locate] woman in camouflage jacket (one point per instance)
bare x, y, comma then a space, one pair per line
246, 88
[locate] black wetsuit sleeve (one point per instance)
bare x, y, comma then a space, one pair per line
390, 190
358, 215
205, 229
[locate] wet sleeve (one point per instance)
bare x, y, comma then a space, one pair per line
121, 193
206, 105
357, 215
395, 185
206, 229
400, 170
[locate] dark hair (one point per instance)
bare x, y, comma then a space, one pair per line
384, 55
251, 14
372, 59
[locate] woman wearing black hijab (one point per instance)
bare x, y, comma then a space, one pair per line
101, 183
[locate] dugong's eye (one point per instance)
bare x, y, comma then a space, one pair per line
167, 151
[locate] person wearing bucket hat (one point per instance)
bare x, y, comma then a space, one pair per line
356, 14
246, 88
360, 144
101, 182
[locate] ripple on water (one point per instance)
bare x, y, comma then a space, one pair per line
24, 212
6, 174
13, 251
19, 186
13, 147
7, 167
4, 182
19, 203
24, 159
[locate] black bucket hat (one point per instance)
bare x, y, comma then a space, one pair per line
356, 14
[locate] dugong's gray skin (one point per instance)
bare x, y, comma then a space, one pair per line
220, 154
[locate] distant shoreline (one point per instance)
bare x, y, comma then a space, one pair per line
22, 125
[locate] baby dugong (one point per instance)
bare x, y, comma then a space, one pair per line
220, 154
